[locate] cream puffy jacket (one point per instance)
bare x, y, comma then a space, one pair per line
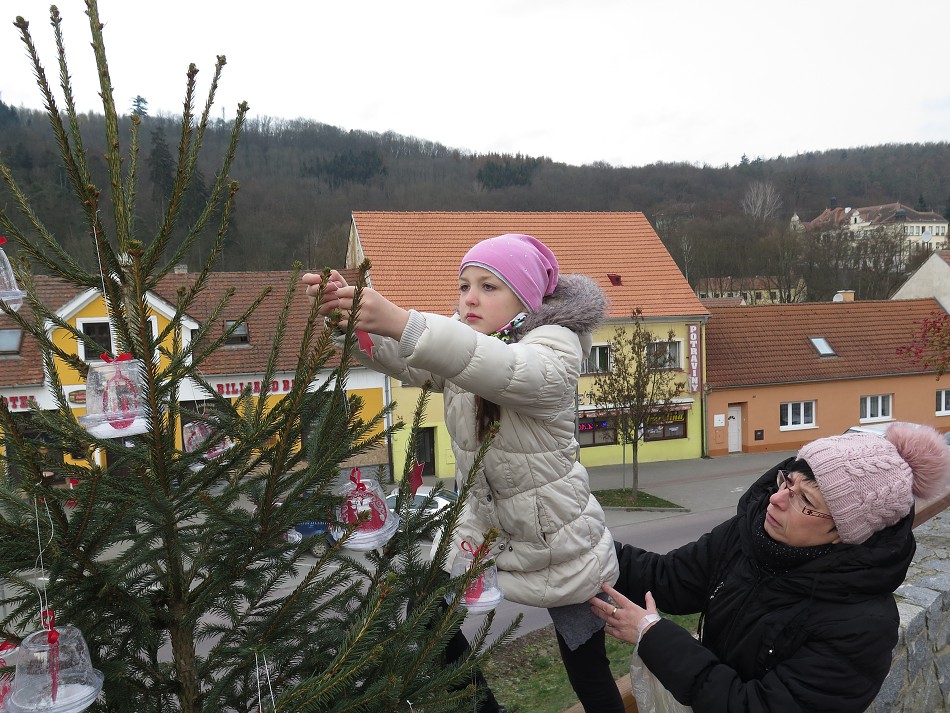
554, 547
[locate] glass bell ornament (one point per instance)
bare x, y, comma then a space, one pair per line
196, 434
483, 594
113, 402
54, 673
366, 505
7, 648
9, 291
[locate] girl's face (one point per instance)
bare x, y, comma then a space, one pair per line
486, 304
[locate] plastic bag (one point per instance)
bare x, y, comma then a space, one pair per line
649, 693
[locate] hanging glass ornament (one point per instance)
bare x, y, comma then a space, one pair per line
9, 291
113, 398
54, 673
195, 435
483, 594
7, 648
365, 504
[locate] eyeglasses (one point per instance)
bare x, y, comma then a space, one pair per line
783, 481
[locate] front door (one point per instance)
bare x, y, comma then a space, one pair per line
735, 429
425, 450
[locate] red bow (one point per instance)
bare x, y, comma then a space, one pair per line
2, 239
124, 356
355, 476
476, 553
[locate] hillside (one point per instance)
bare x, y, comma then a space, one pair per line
301, 179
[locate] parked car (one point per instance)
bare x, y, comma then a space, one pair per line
878, 429
442, 500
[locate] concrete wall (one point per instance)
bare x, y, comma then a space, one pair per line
920, 675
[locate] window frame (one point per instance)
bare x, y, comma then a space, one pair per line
864, 408
238, 338
945, 411
81, 322
585, 366
803, 424
675, 364
17, 335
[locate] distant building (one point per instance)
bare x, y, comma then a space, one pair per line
924, 228
760, 289
932, 279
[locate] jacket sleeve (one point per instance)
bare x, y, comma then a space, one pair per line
838, 669
536, 375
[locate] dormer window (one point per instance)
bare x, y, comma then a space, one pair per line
822, 346
10, 341
239, 335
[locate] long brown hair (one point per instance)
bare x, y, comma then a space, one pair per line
486, 413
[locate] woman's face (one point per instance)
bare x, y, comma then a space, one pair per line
797, 514
486, 304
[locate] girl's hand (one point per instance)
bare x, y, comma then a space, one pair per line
377, 314
623, 617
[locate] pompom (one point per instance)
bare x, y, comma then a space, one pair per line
926, 452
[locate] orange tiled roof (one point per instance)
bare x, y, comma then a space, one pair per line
710, 302
416, 256
26, 368
770, 344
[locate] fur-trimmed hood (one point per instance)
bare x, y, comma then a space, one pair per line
576, 303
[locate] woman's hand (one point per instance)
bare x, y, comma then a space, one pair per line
623, 618
376, 314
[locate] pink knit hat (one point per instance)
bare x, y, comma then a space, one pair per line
870, 482
522, 262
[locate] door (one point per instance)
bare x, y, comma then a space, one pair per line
425, 450
735, 429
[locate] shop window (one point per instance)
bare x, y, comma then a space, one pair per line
876, 408
598, 361
666, 427
796, 414
597, 431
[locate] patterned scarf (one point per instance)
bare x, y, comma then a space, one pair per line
506, 333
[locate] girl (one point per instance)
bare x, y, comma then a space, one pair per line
513, 354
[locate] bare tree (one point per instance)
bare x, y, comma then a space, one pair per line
761, 201
640, 385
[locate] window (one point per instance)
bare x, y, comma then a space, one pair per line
597, 431
666, 427
823, 347
239, 336
99, 332
796, 414
665, 355
598, 361
943, 402
10, 340
876, 408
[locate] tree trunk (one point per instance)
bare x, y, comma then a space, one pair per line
635, 487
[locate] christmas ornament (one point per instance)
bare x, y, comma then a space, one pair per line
113, 402
7, 648
483, 594
54, 673
9, 292
365, 505
195, 435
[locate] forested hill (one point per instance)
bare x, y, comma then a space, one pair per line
301, 179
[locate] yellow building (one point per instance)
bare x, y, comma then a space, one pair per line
415, 258
236, 365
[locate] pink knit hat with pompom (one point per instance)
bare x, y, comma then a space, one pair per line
870, 482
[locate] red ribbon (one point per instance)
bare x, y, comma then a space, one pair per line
355, 476
365, 342
415, 478
2, 239
482, 549
124, 356
52, 638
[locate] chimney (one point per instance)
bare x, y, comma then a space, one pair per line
180, 269
843, 296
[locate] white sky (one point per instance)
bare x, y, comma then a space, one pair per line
629, 82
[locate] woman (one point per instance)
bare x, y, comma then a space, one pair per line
512, 354
796, 590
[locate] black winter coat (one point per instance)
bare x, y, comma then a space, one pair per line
816, 638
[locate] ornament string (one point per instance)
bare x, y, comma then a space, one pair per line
47, 618
270, 689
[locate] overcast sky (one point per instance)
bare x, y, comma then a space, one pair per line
628, 82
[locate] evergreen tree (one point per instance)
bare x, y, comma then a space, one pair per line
161, 168
180, 578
